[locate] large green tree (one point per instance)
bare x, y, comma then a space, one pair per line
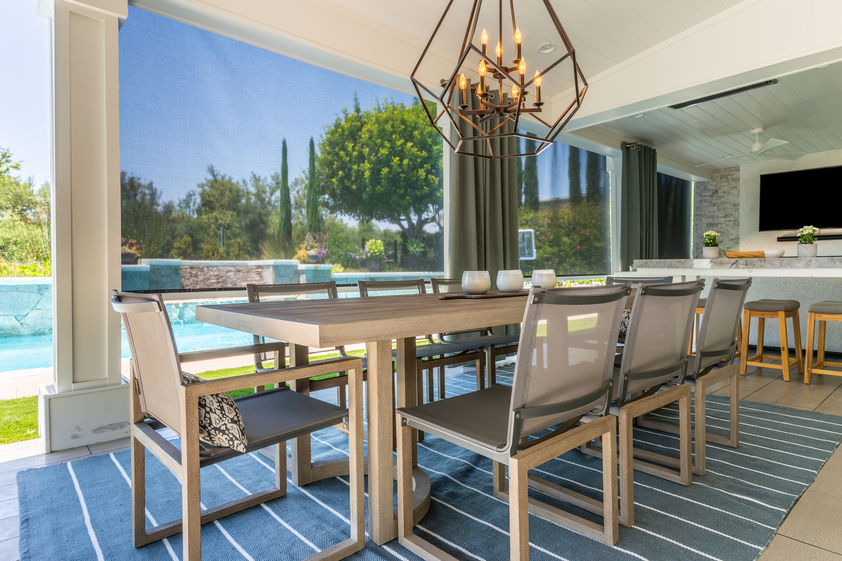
145, 218
594, 176
284, 202
530, 177
383, 164
574, 175
314, 217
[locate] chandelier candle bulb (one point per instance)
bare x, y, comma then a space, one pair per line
482, 71
484, 43
521, 69
537, 87
515, 92
462, 86
518, 39
499, 54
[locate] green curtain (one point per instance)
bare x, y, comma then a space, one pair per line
482, 220
638, 205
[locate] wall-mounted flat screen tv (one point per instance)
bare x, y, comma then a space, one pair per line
794, 199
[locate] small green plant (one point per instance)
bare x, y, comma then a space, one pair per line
183, 248
711, 239
807, 234
375, 249
415, 246
337, 268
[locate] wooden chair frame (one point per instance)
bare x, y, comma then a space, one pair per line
517, 493
757, 360
185, 463
820, 366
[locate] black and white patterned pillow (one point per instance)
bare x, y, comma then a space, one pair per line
220, 421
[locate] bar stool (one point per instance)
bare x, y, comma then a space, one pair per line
771, 309
822, 312
700, 310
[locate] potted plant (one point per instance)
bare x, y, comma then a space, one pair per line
412, 262
130, 251
375, 253
807, 241
711, 249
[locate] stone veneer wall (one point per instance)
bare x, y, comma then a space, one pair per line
717, 207
210, 276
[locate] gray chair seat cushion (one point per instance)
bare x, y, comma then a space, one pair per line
481, 417
773, 305
826, 307
438, 349
278, 415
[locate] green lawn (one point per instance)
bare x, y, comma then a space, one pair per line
18, 419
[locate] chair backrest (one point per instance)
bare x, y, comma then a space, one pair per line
718, 333
372, 288
637, 280
565, 360
658, 335
157, 369
446, 285
262, 292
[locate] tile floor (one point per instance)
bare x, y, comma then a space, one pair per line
810, 532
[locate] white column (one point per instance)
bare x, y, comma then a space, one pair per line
87, 403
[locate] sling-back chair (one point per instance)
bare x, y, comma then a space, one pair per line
717, 341
160, 392
655, 354
564, 370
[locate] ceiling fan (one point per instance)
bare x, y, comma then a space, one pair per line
759, 148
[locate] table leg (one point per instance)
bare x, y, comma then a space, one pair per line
300, 464
407, 386
382, 523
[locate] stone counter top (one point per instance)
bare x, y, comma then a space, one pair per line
780, 267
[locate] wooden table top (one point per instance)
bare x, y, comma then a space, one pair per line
348, 321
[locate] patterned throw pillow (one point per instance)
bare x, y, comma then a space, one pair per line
220, 421
624, 324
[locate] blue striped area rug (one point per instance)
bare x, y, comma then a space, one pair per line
82, 509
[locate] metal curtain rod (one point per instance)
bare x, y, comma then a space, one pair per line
633, 146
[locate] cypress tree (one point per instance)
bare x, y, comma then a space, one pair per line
314, 218
574, 175
594, 176
285, 205
530, 178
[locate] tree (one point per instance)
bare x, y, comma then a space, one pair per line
530, 178
6, 163
144, 218
594, 176
382, 164
284, 204
314, 218
574, 175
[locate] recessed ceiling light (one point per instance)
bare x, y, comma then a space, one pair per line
545, 48
638, 115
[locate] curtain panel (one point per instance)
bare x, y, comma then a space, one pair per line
483, 204
638, 205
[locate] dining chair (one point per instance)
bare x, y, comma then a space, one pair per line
494, 345
564, 371
718, 341
270, 292
634, 281
435, 354
655, 355
213, 427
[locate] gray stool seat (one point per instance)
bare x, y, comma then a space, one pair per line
826, 307
766, 305
702, 302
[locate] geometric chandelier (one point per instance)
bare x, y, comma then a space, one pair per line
488, 111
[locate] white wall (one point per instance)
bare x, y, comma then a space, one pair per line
751, 239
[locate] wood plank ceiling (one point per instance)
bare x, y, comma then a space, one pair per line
804, 109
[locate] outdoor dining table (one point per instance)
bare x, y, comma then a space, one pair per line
376, 322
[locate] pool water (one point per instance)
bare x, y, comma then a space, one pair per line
23, 353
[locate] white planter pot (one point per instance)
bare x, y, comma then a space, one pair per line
807, 249
710, 252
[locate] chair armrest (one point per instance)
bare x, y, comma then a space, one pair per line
208, 354
274, 377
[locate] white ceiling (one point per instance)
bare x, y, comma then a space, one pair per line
804, 109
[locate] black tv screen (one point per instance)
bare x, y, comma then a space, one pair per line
794, 199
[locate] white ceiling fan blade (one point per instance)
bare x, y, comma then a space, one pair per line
722, 159
772, 143
789, 156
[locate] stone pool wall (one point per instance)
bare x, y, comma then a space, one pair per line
26, 306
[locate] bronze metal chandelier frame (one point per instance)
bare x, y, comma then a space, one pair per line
509, 111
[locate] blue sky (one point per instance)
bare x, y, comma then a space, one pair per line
25, 95
190, 98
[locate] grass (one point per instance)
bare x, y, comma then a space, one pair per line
18, 419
